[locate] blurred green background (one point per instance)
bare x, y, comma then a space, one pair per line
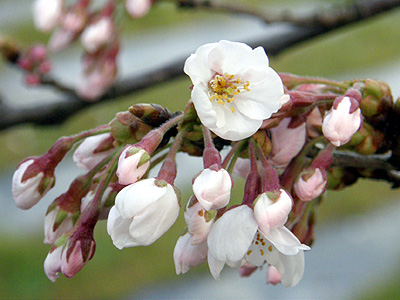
113, 273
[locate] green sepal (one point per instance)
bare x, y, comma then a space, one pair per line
210, 215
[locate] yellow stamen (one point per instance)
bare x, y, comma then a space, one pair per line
270, 248
225, 87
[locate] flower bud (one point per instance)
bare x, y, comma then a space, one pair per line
212, 188
199, 221
93, 150
286, 141
311, 184
271, 209
273, 275
342, 121
46, 14
64, 211
152, 114
76, 254
138, 8
132, 164
127, 128
188, 255
143, 212
30, 183
97, 34
60, 39
52, 263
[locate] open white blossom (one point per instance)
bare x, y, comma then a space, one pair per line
234, 89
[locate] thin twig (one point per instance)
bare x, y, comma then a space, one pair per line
56, 112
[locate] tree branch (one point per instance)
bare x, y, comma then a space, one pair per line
57, 112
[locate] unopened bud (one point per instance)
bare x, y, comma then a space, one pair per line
342, 121
151, 114
311, 184
126, 127
132, 164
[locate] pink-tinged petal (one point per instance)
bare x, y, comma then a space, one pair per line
272, 213
138, 8
286, 142
97, 34
312, 187
339, 125
187, 255
74, 263
273, 276
213, 188
132, 167
199, 223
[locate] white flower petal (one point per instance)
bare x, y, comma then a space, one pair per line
232, 234
132, 199
118, 229
285, 241
215, 266
187, 255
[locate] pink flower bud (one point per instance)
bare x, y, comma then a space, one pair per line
60, 39
286, 142
242, 167
74, 21
198, 220
271, 209
44, 67
132, 164
187, 255
46, 14
138, 8
73, 260
52, 263
38, 53
212, 188
273, 275
97, 34
311, 184
29, 188
32, 79
95, 83
342, 121
89, 153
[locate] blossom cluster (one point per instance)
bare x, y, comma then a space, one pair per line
95, 28
279, 133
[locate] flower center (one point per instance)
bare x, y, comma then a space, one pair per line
225, 87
